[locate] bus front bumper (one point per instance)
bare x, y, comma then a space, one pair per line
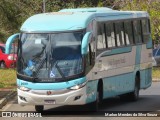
40, 97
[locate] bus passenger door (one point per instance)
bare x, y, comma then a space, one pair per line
138, 56
88, 50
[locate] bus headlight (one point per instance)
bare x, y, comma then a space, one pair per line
24, 88
76, 87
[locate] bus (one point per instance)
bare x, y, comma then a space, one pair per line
82, 56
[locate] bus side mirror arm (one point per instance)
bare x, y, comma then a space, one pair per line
10, 41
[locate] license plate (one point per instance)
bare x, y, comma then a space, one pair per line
50, 101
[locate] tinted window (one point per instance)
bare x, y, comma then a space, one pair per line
101, 43
145, 29
137, 31
128, 32
119, 34
92, 52
110, 35
56, 55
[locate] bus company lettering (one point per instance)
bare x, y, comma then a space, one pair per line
117, 61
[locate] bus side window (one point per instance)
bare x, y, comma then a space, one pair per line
92, 51
119, 34
137, 31
145, 29
101, 42
110, 35
128, 32
90, 57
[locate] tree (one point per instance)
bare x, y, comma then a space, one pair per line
151, 6
14, 12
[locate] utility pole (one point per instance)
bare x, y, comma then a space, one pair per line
44, 6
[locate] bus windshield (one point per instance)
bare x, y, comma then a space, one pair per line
50, 56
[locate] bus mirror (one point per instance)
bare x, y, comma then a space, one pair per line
85, 42
9, 42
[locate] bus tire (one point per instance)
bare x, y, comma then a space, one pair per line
39, 108
135, 94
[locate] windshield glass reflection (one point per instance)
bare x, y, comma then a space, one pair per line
50, 55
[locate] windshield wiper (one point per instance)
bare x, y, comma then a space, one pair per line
40, 66
44, 58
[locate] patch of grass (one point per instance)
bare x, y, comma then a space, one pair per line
7, 78
156, 72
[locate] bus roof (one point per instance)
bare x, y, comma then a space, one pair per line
100, 9
74, 19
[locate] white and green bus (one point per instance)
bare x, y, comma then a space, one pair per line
82, 56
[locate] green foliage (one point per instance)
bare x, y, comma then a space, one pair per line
14, 12
156, 73
151, 6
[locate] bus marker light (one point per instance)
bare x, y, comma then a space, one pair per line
77, 97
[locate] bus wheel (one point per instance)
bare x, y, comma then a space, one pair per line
135, 94
2, 64
39, 108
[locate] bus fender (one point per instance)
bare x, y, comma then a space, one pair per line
137, 72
